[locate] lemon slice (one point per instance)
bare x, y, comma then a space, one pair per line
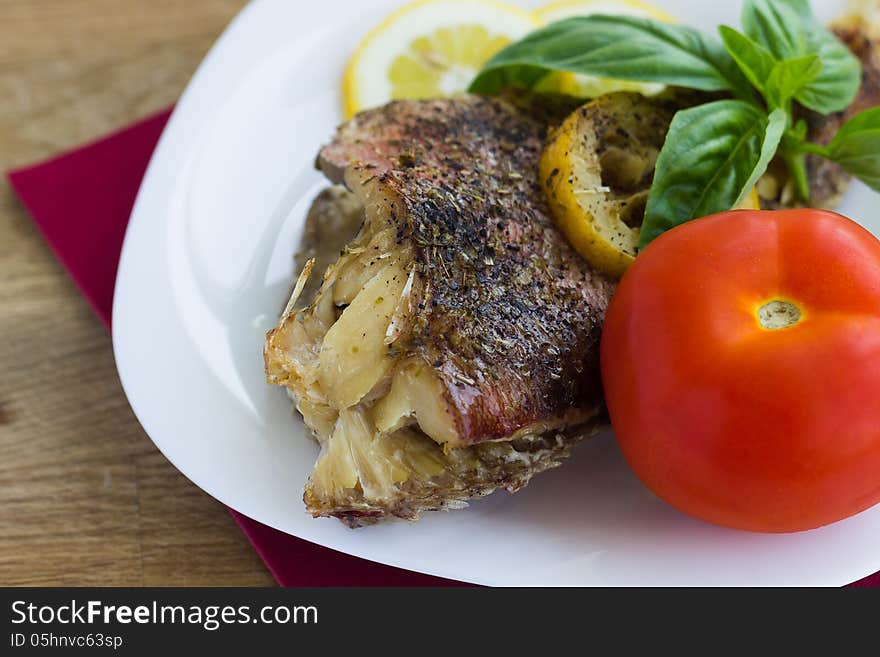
596, 171
572, 172
589, 86
429, 49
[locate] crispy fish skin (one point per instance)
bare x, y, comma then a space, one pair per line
510, 315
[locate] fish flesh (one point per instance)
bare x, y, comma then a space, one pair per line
452, 349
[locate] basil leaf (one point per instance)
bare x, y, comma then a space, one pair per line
777, 26
755, 61
789, 30
714, 154
778, 81
621, 47
789, 77
856, 147
835, 88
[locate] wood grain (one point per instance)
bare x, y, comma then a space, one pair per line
85, 498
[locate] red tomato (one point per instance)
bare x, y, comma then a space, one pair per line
741, 365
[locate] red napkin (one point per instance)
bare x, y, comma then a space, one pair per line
81, 202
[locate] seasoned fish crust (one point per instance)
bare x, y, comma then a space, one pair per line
510, 315
452, 349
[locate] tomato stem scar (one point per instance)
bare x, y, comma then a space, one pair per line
775, 315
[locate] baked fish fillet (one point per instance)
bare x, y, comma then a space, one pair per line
451, 350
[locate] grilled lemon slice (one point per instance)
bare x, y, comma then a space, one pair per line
429, 49
596, 170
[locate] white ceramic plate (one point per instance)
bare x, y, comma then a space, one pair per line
205, 268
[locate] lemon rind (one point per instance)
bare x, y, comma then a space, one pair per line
350, 98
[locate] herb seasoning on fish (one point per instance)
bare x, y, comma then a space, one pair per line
494, 319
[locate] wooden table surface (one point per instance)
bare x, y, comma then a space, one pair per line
85, 497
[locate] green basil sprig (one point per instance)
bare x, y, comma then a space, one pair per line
789, 30
714, 153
